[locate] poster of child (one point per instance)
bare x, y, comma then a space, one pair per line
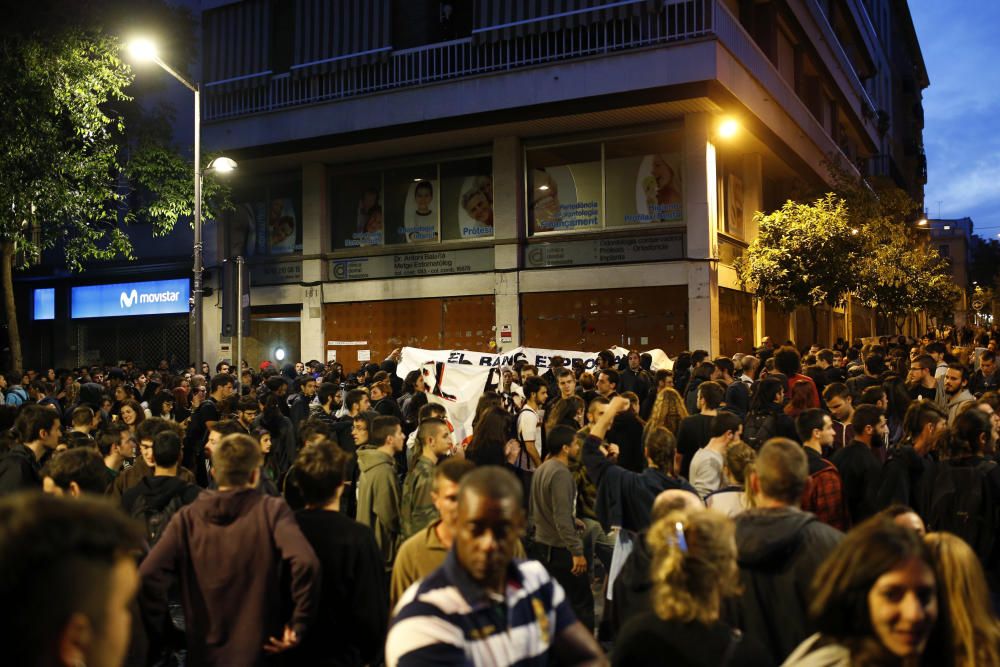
282, 221
420, 219
475, 207
369, 220
658, 190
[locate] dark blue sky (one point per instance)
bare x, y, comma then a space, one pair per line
961, 46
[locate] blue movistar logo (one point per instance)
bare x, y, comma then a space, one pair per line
128, 300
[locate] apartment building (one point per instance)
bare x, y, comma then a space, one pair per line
570, 174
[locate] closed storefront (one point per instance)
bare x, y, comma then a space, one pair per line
372, 329
642, 317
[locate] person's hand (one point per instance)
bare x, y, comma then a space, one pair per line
579, 566
613, 451
619, 404
580, 525
288, 640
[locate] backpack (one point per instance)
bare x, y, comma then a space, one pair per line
961, 502
758, 428
155, 520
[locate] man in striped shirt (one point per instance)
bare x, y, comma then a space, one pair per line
481, 607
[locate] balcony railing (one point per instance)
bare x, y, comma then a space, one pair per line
679, 20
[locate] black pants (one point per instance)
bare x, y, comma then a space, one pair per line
559, 562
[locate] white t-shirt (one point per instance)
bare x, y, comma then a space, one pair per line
706, 471
529, 428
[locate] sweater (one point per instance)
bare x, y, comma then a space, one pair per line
417, 509
552, 506
353, 615
228, 549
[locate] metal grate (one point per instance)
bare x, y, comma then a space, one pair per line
144, 340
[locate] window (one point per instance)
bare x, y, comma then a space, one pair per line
622, 182
267, 219
420, 204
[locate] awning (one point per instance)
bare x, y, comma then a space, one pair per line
236, 42
334, 34
504, 19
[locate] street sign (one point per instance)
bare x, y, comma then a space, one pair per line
977, 305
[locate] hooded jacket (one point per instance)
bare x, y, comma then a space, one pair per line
378, 499
228, 549
159, 491
19, 469
779, 551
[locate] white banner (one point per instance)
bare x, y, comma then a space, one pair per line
414, 357
457, 378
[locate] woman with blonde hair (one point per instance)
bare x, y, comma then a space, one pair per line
964, 600
693, 570
735, 496
668, 410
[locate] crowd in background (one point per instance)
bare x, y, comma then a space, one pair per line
798, 506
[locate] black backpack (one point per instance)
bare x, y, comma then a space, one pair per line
155, 520
961, 501
758, 428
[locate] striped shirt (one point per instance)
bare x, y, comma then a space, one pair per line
448, 619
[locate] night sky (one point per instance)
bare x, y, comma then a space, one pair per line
961, 48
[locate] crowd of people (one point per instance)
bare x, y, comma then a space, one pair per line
789, 506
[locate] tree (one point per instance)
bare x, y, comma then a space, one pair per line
804, 255
70, 173
901, 276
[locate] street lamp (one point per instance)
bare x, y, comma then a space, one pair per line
144, 50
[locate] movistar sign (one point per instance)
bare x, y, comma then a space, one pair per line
154, 297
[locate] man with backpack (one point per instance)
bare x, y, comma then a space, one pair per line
156, 498
529, 423
201, 422
961, 494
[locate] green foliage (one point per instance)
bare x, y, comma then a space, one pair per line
805, 255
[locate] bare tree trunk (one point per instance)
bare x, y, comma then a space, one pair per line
6, 274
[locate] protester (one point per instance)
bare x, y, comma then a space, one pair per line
352, 614
692, 572
235, 539
68, 580
481, 586
874, 601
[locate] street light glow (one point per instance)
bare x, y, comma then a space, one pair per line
222, 164
922, 221
728, 128
279, 354
143, 49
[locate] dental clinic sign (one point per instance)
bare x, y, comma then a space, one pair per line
154, 297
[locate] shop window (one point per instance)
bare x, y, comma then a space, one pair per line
564, 188
267, 218
467, 199
624, 182
413, 205
643, 180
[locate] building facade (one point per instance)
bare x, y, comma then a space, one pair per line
568, 175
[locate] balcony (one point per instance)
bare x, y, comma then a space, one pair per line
678, 21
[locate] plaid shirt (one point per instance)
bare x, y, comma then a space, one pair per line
824, 495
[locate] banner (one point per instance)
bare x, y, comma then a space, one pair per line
414, 357
457, 378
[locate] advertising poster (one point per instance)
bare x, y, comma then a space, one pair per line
565, 198
659, 195
475, 207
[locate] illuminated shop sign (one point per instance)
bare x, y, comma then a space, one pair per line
154, 297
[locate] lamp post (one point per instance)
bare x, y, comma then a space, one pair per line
145, 50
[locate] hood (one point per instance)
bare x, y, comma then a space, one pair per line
288, 370
91, 394
225, 507
371, 457
769, 536
159, 490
